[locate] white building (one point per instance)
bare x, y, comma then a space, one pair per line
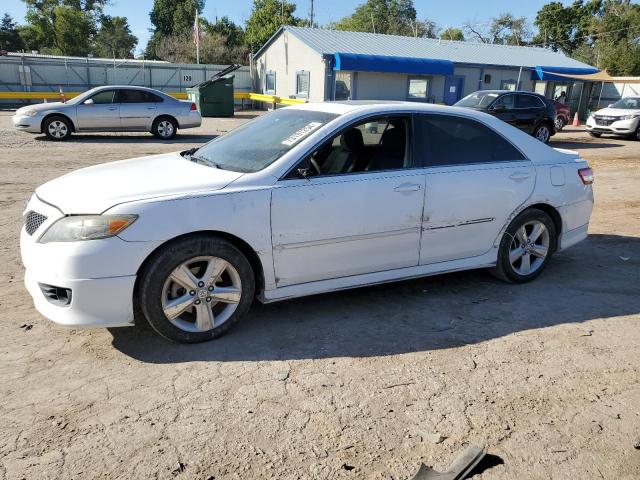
319, 64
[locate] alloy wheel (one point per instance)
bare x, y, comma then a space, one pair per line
165, 128
201, 294
58, 129
543, 133
559, 123
529, 248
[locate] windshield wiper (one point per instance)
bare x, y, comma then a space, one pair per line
205, 161
189, 153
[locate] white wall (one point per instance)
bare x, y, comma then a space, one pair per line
286, 56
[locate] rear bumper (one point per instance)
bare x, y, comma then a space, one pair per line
192, 120
570, 238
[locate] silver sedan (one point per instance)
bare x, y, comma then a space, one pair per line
110, 109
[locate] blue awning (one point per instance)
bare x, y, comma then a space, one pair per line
547, 73
381, 63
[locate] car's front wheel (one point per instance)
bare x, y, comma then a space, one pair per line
57, 128
196, 288
542, 132
560, 123
595, 134
164, 128
526, 247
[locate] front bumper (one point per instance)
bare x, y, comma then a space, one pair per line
621, 127
101, 274
25, 123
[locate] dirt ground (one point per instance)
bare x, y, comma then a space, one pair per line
357, 384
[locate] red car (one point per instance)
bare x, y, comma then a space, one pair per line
562, 115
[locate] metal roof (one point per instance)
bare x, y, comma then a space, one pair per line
326, 41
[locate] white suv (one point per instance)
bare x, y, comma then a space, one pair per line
620, 118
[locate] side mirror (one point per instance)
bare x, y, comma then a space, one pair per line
88, 101
610, 105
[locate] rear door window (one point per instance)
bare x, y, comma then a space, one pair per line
528, 101
450, 140
134, 96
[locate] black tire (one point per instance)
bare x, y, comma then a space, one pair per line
57, 128
164, 128
595, 134
539, 131
504, 270
166, 260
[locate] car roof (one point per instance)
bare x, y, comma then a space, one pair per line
381, 106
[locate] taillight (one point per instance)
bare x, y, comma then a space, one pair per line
193, 107
586, 175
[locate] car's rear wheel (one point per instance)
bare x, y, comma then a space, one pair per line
526, 246
57, 128
560, 123
542, 132
164, 128
196, 288
595, 134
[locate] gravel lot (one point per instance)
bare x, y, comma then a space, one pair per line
357, 384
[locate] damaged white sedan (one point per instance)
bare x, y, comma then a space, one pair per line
303, 200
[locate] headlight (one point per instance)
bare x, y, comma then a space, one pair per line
29, 112
629, 117
86, 227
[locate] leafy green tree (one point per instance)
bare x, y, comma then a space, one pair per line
616, 34
171, 18
9, 37
395, 17
63, 27
114, 38
566, 28
233, 34
266, 17
452, 34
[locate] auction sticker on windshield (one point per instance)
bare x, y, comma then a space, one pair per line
300, 134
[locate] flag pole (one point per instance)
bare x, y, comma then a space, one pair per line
196, 32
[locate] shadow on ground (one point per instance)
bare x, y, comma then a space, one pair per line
143, 137
589, 281
573, 144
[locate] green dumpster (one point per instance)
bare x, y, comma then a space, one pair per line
213, 97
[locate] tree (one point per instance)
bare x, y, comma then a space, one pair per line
266, 17
213, 49
171, 18
63, 27
566, 28
452, 34
233, 34
394, 17
504, 29
114, 38
9, 37
615, 35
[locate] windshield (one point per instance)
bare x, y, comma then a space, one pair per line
627, 103
259, 143
477, 100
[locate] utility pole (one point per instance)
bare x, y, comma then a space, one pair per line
311, 15
373, 23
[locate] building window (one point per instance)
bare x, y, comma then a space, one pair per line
270, 83
508, 85
302, 84
418, 89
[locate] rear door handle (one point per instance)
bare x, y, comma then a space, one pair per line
113, 108
151, 108
519, 176
408, 187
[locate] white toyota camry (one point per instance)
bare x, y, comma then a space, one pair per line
303, 200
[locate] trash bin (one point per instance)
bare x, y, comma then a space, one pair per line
213, 97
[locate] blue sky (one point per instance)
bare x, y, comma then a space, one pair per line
455, 13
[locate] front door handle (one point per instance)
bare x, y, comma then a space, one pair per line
112, 108
151, 108
408, 187
519, 176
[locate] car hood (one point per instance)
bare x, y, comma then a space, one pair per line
617, 112
95, 189
38, 107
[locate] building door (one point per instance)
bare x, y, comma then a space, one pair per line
452, 90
